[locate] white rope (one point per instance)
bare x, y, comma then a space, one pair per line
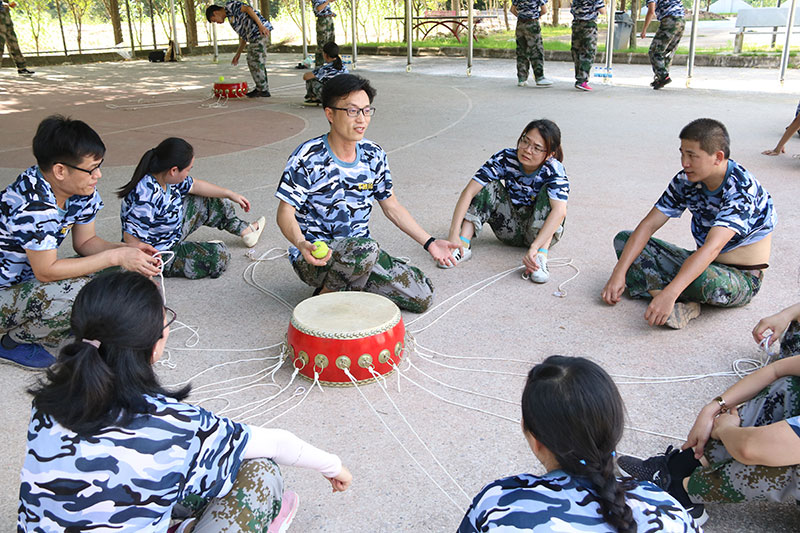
307, 392
413, 458
467, 391
251, 270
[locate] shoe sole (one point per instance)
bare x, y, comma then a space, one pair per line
23, 367
702, 519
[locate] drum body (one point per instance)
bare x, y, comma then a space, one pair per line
352, 330
231, 90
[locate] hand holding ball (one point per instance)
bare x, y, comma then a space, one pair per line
320, 249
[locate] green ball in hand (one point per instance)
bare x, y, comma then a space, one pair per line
320, 249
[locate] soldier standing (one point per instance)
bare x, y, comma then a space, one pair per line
530, 49
670, 15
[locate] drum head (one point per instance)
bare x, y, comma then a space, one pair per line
345, 315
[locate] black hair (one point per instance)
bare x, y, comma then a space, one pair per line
711, 134
60, 139
344, 84
550, 133
331, 49
171, 152
572, 407
90, 388
210, 10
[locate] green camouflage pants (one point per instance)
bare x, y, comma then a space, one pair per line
790, 343
358, 264
195, 260
9, 37
512, 225
314, 89
325, 34
584, 47
257, 63
727, 480
251, 505
658, 264
530, 49
39, 313
665, 42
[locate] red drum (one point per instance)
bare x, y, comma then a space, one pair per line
231, 90
346, 330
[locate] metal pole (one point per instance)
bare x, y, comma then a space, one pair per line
470, 23
355, 33
303, 27
693, 40
214, 39
130, 28
610, 39
789, 26
408, 34
175, 29
153, 25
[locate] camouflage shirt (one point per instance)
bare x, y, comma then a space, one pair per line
668, 8
327, 12
328, 71
528, 9
242, 23
154, 215
586, 9
523, 188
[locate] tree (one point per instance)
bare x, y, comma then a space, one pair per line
78, 9
191, 23
36, 11
112, 8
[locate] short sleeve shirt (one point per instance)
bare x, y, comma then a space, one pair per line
128, 478
154, 215
794, 423
333, 199
740, 203
559, 502
668, 8
523, 188
30, 219
586, 9
328, 71
528, 9
327, 12
242, 23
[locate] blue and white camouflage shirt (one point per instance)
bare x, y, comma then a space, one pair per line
328, 71
242, 23
668, 8
126, 479
333, 199
327, 12
154, 215
559, 502
30, 219
586, 9
740, 203
528, 9
523, 188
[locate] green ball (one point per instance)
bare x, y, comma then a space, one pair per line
320, 249
222, 78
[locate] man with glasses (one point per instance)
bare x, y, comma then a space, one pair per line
37, 212
326, 194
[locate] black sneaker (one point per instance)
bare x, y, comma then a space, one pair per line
654, 469
698, 513
660, 82
255, 93
25, 72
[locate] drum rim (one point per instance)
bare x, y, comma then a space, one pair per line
361, 334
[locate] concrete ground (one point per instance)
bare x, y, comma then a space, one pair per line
438, 127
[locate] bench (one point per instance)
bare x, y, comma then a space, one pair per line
447, 19
762, 17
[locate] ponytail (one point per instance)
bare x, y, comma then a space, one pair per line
171, 152
331, 49
611, 495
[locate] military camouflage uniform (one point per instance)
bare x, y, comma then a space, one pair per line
257, 63
658, 264
358, 264
256, 43
664, 44
530, 49
9, 36
513, 225
584, 47
325, 34
196, 260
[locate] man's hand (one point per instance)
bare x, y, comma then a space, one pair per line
235, 60
306, 248
442, 251
263, 30
612, 292
133, 259
659, 309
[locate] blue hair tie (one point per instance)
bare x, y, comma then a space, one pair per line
613, 453
582, 462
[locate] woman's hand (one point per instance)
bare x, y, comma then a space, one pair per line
341, 482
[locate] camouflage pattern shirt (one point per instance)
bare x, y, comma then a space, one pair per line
328, 71
327, 12
30, 219
559, 502
528, 9
333, 199
154, 215
523, 188
668, 8
242, 23
126, 479
586, 9
740, 203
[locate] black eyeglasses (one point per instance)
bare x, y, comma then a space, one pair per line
171, 316
354, 111
90, 172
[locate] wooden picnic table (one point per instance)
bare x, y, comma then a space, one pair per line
454, 23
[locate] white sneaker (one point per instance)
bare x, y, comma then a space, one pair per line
542, 275
458, 256
544, 82
522, 84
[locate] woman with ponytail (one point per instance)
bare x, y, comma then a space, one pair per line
572, 419
162, 205
316, 79
109, 448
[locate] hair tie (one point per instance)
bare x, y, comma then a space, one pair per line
613, 453
582, 462
93, 342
